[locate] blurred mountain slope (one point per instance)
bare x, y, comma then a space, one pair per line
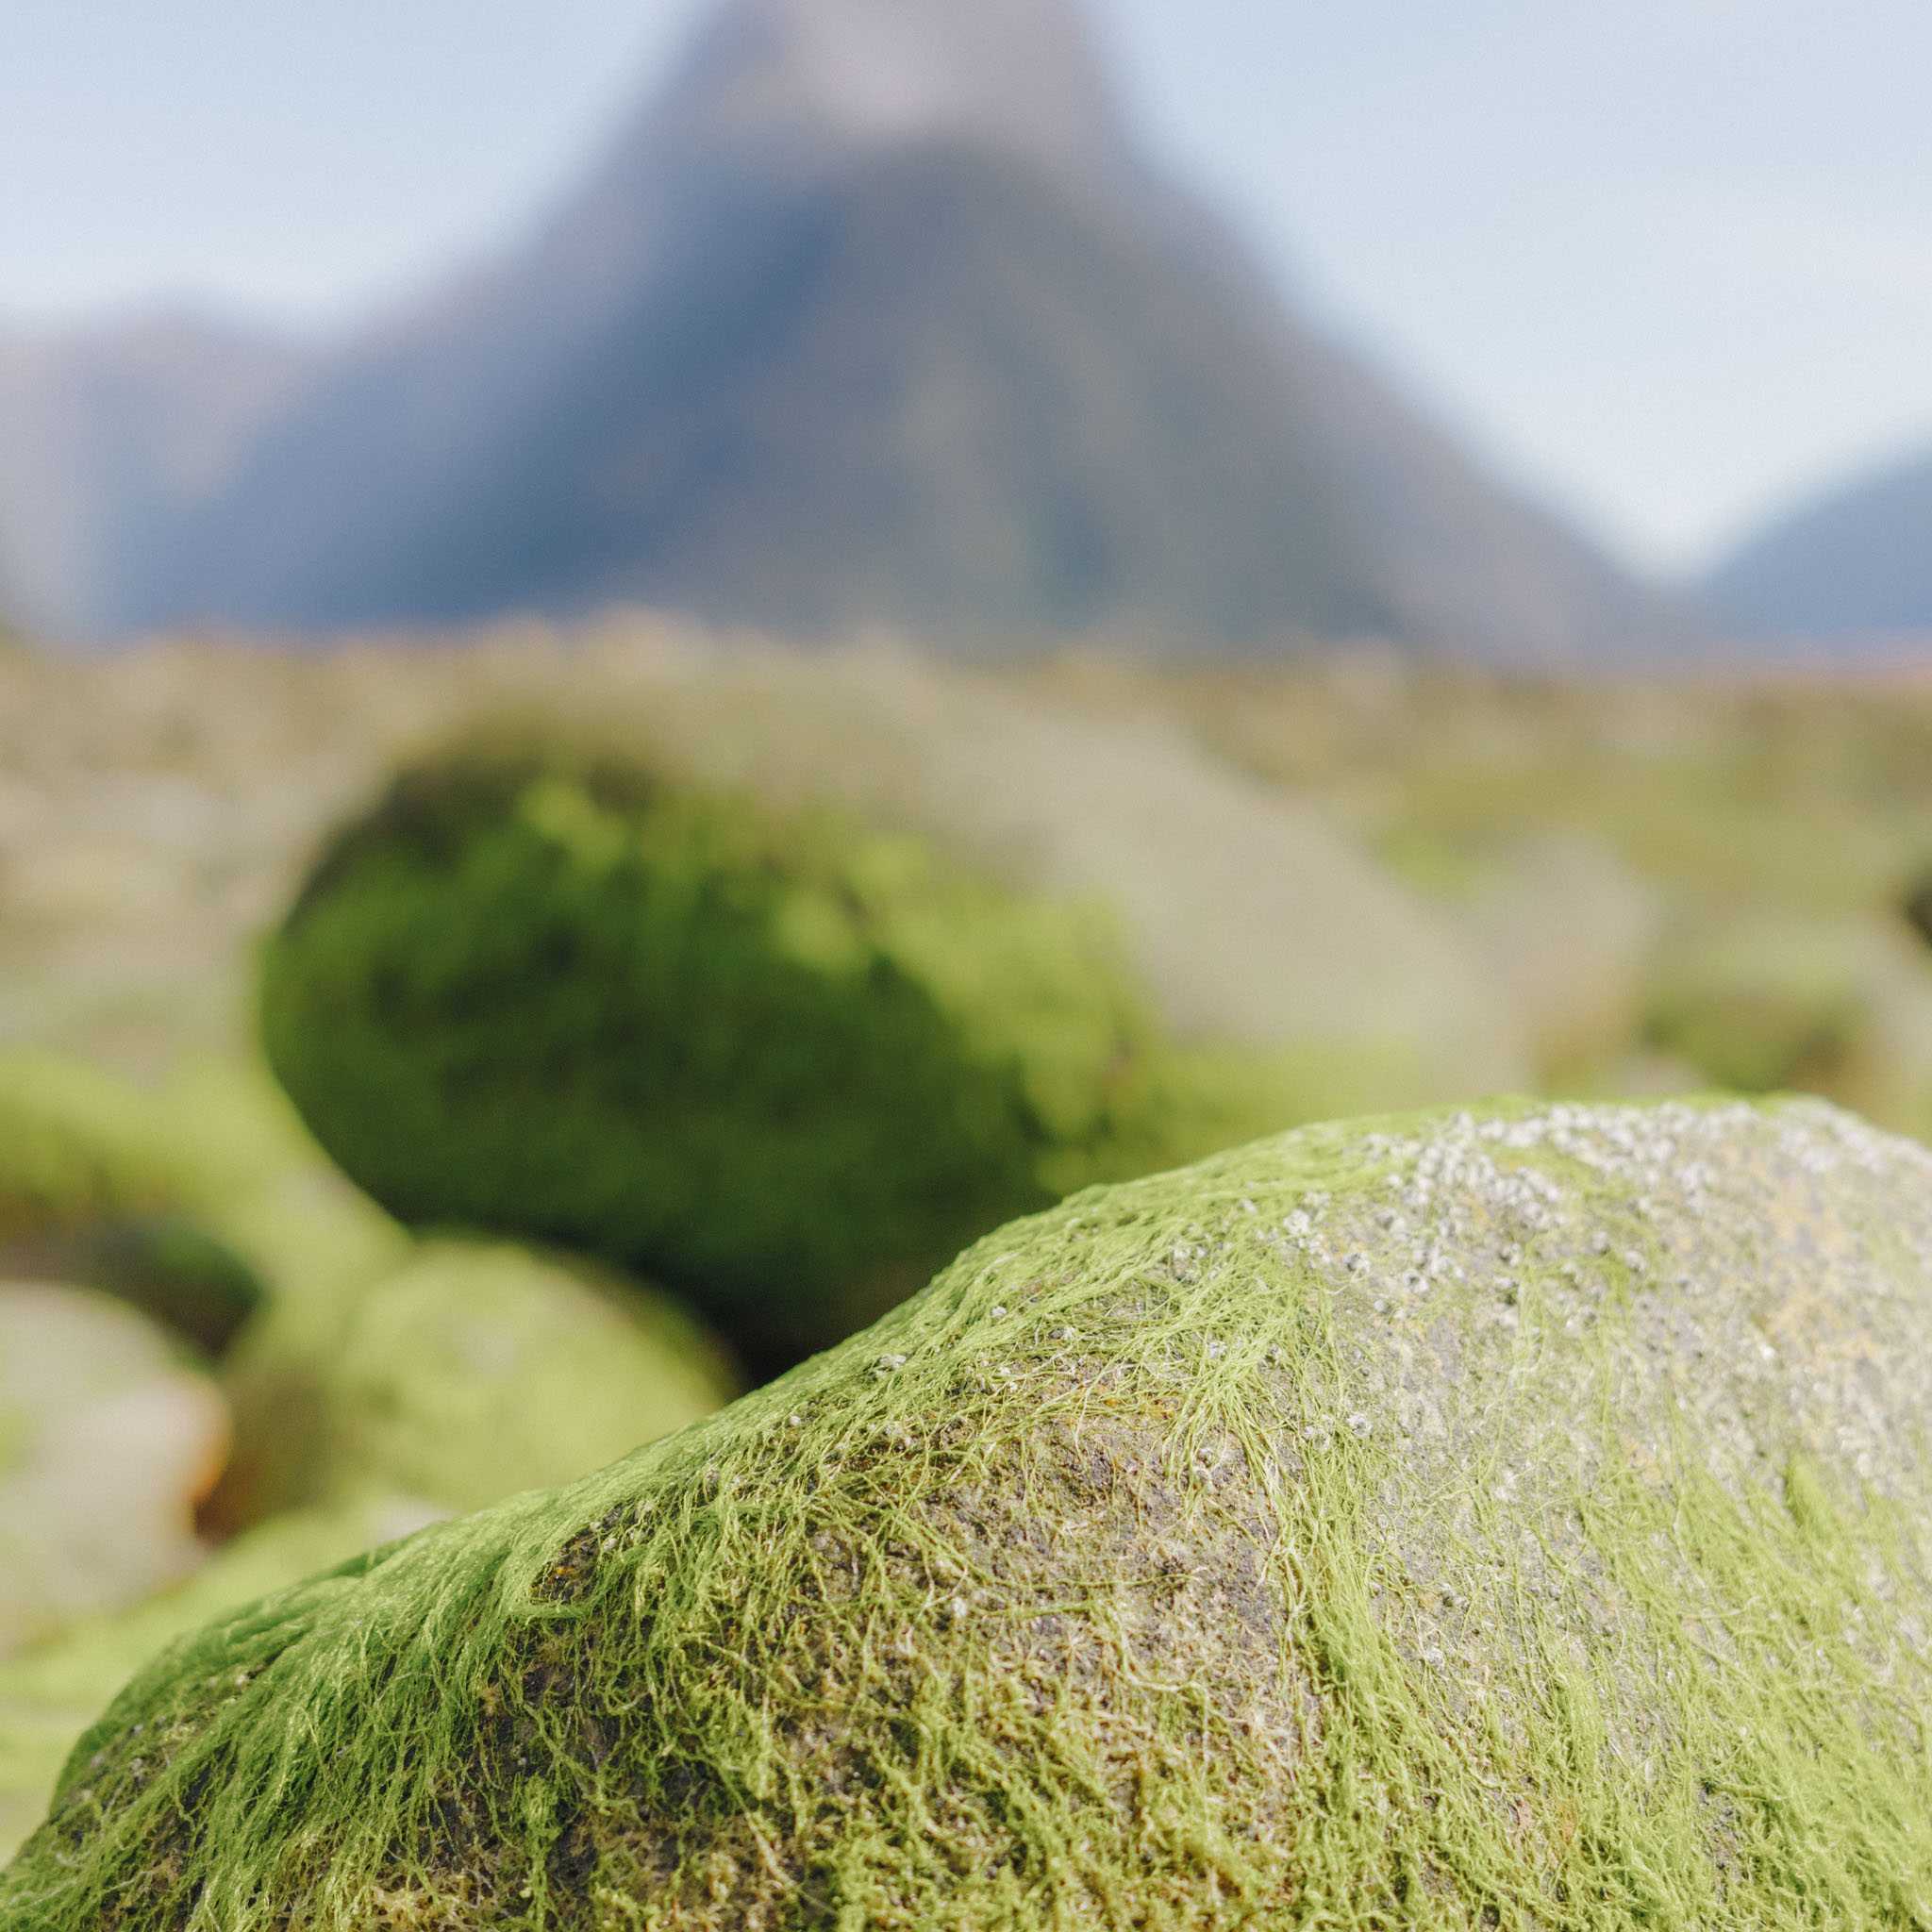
877, 315
1853, 562
108, 437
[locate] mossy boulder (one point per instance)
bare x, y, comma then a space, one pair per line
1520, 1519
479, 1370
778, 988
108, 1438
98, 1186
1761, 1001
784, 1061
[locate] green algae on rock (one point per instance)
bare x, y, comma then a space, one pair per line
1517, 1519
732, 1048
51, 1694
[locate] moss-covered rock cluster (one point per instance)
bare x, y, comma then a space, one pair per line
1516, 1517
156, 1466
1269, 836
782, 987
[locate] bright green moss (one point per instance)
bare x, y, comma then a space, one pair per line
1515, 1520
779, 1060
50, 1695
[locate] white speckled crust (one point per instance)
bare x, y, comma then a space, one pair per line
1711, 1289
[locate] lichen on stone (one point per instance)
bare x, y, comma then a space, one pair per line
1514, 1518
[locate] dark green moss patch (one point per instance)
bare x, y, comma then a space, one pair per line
781, 1061
92, 1193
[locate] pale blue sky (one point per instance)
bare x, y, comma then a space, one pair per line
1670, 260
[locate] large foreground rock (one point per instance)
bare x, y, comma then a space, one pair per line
1518, 1520
51, 1694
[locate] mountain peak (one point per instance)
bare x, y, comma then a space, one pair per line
1022, 77
874, 315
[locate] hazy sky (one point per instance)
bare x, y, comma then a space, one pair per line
1670, 260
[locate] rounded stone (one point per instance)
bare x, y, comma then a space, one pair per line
481, 1369
108, 1438
1515, 1517
784, 1062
